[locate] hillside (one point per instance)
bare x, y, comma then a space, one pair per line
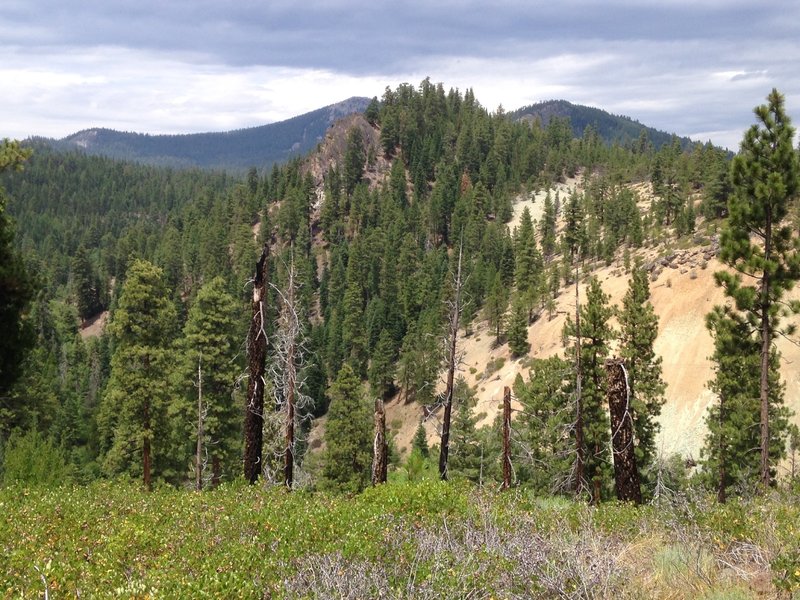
370, 227
240, 149
611, 128
683, 291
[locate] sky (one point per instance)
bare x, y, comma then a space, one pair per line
692, 67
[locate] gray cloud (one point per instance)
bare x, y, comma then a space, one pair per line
694, 67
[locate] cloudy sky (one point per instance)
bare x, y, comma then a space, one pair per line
695, 67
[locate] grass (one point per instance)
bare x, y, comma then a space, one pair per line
402, 540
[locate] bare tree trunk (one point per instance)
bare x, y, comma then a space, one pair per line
626, 473
580, 460
765, 348
455, 313
146, 457
256, 357
198, 465
506, 437
291, 372
380, 450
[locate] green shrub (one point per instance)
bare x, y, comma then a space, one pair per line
30, 459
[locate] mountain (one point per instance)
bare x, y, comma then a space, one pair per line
240, 149
611, 128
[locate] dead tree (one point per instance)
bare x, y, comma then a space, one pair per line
256, 357
201, 418
626, 474
506, 437
380, 448
455, 313
285, 372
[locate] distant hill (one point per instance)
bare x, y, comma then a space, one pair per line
233, 150
611, 128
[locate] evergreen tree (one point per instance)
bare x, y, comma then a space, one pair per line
372, 113
354, 159
730, 455
348, 436
133, 412
16, 285
86, 285
638, 332
382, 364
496, 305
545, 459
209, 349
420, 442
547, 228
759, 243
466, 455
517, 332
596, 334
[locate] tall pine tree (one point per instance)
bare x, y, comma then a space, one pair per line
758, 242
133, 416
208, 365
638, 332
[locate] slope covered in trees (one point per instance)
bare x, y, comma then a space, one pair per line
422, 186
235, 150
611, 128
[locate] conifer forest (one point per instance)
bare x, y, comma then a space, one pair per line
430, 358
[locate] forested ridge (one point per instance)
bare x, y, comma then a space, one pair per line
235, 150
362, 284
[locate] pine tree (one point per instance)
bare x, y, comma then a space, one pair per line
465, 448
517, 332
209, 346
348, 436
354, 159
133, 412
528, 260
382, 365
757, 241
547, 229
86, 285
730, 455
420, 442
595, 335
16, 284
638, 332
543, 425
496, 305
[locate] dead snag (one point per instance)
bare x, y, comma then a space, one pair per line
626, 474
452, 333
256, 356
380, 448
506, 437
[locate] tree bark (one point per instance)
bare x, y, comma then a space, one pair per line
380, 450
256, 356
626, 473
506, 437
